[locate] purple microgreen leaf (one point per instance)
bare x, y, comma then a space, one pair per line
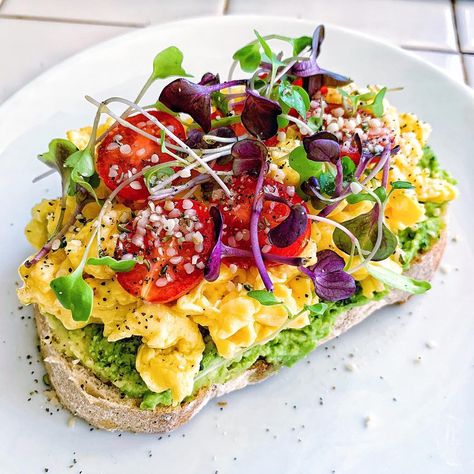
314, 76
293, 227
209, 79
365, 229
249, 156
322, 147
259, 116
331, 282
195, 137
182, 95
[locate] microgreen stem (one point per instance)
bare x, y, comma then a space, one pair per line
300, 123
55, 236
351, 236
43, 175
186, 148
383, 159
213, 138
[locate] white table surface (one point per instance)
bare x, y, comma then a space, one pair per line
36, 34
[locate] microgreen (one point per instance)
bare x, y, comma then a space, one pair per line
112, 263
264, 297
294, 97
74, 293
401, 185
315, 123
156, 173
59, 150
248, 56
220, 102
168, 63
398, 281
365, 229
376, 106
380, 192
268, 53
330, 281
371, 101
193, 99
299, 44
259, 115
317, 309
348, 167
304, 167
291, 228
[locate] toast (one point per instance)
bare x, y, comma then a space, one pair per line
104, 407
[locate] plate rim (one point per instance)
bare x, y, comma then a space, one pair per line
461, 86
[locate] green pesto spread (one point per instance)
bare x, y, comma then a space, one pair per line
114, 362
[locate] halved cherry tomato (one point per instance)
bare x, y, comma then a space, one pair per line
124, 150
237, 212
174, 246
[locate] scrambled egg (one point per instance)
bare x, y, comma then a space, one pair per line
172, 344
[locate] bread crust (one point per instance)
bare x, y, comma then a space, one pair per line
103, 406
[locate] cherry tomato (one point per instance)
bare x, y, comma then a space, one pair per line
123, 150
174, 246
298, 82
237, 212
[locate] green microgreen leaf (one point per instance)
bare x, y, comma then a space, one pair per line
355, 198
376, 107
158, 172
294, 97
264, 297
365, 229
81, 162
249, 57
401, 185
315, 123
59, 150
348, 168
168, 63
300, 43
74, 294
112, 263
381, 193
400, 282
327, 182
316, 309
304, 167
220, 101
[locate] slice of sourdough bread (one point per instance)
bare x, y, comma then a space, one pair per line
103, 406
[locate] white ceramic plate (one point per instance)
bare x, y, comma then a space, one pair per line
310, 418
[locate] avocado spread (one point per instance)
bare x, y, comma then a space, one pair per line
114, 362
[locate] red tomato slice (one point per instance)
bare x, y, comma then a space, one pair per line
124, 150
174, 245
237, 212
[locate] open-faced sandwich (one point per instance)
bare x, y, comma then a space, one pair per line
206, 240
